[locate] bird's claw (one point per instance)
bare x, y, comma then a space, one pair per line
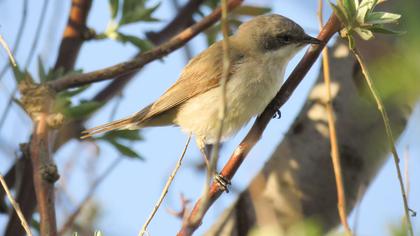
222, 182
277, 114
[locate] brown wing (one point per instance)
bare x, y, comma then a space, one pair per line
201, 74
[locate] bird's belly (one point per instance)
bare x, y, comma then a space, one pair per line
247, 94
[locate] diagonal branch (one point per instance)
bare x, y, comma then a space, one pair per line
178, 41
74, 34
181, 21
239, 155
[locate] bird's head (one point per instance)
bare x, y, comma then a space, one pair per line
273, 34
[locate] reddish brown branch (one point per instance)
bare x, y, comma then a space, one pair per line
178, 41
45, 174
239, 155
74, 34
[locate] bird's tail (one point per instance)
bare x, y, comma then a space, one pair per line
126, 123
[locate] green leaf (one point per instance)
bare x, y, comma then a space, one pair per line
114, 6
381, 18
19, 75
73, 92
126, 151
135, 11
132, 135
365, 7
142, 44
61, 103
365, 34
340, 13
382, 30
247, 10
350, 8
82, 110
41, 70
54, 74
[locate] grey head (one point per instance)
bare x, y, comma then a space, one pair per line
271, 33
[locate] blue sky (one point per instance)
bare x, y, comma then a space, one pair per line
130, 191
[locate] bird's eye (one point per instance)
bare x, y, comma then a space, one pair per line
286, 38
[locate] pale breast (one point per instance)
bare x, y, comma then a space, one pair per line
249, 91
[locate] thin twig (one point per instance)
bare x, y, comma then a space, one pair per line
34, 45
15, 205
119, 69
406, 171
19, 34
251, 139
223, 108
9, 53
335, 153
98, 181
389, 135
165, 189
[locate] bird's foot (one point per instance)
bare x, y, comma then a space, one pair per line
222, 182
275, 105
277, 114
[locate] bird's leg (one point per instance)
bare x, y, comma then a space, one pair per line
206, 150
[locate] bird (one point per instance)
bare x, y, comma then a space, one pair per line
259, 52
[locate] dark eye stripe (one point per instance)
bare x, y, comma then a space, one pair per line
271, 43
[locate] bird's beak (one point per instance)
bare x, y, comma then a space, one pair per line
311, 40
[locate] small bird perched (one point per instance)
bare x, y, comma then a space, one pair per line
259, 53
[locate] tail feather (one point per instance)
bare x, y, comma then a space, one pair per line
118, 124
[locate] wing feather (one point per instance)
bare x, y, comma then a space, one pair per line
201, 74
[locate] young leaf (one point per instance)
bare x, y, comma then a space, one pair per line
132, 135
381, 18
382, 30
143, 45
126, 151
82, 110
350, 8
41, 71
135, 11
73, 92
365, 34
340, 13
19, 75
364, 7
114, 6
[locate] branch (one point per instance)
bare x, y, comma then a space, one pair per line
239, 155
179, 23
165, 189
15, 206
77, 21
389, 135
335, 153
74, 34
45, 174
178, 41
183, 18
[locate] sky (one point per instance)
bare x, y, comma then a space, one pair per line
130, 191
